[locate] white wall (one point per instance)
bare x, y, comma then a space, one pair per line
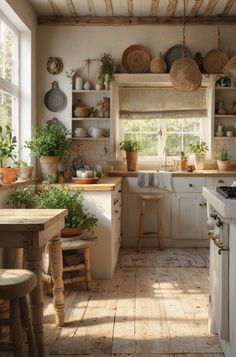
75, 44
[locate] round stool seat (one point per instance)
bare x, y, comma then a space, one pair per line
16, 283
150, 197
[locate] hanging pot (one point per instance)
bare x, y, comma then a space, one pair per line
216, 59
230, 68
185, 75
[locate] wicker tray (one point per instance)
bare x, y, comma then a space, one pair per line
84, 180
136, 59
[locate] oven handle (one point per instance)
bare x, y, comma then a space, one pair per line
217, 242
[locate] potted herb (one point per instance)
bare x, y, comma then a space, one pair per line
131, 148
199, 150
8, 145
183, 161
78, 217
23, 197
25, 169
49, 142
105, 75
223, 161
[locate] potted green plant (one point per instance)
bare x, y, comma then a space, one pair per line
199, 150
23, 197
131, 148
8, 145
25, 169
49, 143
183, 161
105, 75
78, 217
223, 161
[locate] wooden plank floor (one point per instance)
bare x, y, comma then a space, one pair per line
149, 309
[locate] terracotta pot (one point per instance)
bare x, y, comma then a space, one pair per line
199, 161
132, 160
49, 166
9, 174
183, 165
70, 231
26, 172
223, 165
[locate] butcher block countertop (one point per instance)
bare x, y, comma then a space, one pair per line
104, 184
203, 173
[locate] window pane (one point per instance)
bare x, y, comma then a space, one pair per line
173, 144
7, 106
191, 125
8, 48
173, 125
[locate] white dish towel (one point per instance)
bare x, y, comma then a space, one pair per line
155, 179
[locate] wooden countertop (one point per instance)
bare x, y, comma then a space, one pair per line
203, 173
104, 184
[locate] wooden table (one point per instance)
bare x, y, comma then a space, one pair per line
31, 229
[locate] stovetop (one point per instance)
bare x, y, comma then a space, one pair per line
227, 191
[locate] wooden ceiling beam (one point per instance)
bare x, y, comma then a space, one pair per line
71, 7
228, 7
210, 7
122, 20
154, 7
91, 7
54, 7
171, 8
196, 7
130, 8
109, 8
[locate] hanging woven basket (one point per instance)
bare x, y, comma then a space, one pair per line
230, 68
185, 75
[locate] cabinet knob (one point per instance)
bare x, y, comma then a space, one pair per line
204, 204
190, 185
119, 190
200, 204
220, 181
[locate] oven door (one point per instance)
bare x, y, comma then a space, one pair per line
219, 278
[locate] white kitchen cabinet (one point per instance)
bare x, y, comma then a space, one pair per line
188, 216
106, 205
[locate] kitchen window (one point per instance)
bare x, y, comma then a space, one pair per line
9, 74
163, 120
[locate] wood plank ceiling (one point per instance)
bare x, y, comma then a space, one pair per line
133, 12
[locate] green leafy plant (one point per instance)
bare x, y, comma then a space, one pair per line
53, 197
183, 156
23, 197
106, 67
222, 155
8, 144
130, 145
200, 148
49, 140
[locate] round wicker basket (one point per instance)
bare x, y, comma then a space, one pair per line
136, 59
185, 75
214, 61
81, 112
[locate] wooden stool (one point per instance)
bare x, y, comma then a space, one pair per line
73, 243
158, 233
15, 284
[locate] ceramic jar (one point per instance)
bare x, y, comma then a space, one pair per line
87, 85
158, 65
78, 83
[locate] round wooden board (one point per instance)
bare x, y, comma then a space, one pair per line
136, 59
84, 180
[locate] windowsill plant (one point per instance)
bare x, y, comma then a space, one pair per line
199, 150
8, 145
131, 148
183, 161
223, 161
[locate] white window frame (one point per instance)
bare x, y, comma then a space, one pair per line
10, 87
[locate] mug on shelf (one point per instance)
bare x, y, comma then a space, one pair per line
95, 132
80, 132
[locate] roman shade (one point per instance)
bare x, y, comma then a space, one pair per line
161, 102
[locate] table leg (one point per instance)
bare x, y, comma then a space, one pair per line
55, 258
33, 263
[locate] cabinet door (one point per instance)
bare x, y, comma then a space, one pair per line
187, 216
